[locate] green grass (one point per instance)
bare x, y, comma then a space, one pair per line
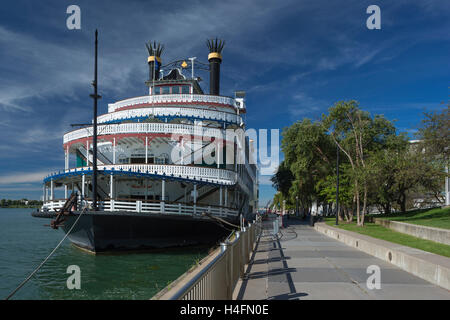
437, 218
380, 232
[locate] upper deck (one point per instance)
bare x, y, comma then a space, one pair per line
222, 102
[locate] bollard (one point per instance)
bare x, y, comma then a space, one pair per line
275, 227
311, 220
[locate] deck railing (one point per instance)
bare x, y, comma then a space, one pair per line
197, 113
144, 127
214, 175
152, 207
172, 98
216, 275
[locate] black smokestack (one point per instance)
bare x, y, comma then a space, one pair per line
215, 59
154, 59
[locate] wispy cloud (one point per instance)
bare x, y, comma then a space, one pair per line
303, 105
22, 177
265, 180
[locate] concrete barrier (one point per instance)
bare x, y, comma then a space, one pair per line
423, 232
425, 265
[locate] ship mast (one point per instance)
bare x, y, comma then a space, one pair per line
95, 96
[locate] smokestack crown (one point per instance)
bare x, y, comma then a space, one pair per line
215, 48
154, 61
154, 51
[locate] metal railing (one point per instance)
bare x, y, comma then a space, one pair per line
198, 113
152, 207
145, 127
216, 276
173, 98
214, 175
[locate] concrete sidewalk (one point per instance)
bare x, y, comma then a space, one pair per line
305, 264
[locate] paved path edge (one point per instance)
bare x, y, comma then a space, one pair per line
425, 265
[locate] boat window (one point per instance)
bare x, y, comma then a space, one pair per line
175, 90
137, 160
156, 90
124, 160
186, 90
162, 159
165, 90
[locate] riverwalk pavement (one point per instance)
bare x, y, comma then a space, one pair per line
302, 264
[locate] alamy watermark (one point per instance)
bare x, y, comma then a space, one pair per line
74, 280
73, 21
374, 20
228, 147
374, 280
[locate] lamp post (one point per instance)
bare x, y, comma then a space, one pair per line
337, 183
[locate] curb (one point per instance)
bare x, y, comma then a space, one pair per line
418, 231
425, 265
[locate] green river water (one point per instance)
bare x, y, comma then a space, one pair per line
25, 242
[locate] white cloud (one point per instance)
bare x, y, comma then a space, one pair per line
265, 180
23, 177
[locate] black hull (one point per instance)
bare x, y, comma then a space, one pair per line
122, 231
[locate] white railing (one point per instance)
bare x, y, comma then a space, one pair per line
213, 175
140, 206
122, 128
173, 98
54, 205
171, 112
216, 276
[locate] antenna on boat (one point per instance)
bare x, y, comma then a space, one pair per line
95, 96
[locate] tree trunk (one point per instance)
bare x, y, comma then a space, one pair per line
357, 202
403, 203
364, 205
349, 215
387, 208
342, 214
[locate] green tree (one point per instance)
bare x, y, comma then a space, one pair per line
434, 133
357, 134
309, 155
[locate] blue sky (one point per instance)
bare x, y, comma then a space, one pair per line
293, 58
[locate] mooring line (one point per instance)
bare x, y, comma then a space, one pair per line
48, 257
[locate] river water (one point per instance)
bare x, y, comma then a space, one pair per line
25, 242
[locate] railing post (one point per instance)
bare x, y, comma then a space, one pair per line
111, 205
239, 254
249, 243
195, 199
163, 208
228, 278
52, 190
138, 206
